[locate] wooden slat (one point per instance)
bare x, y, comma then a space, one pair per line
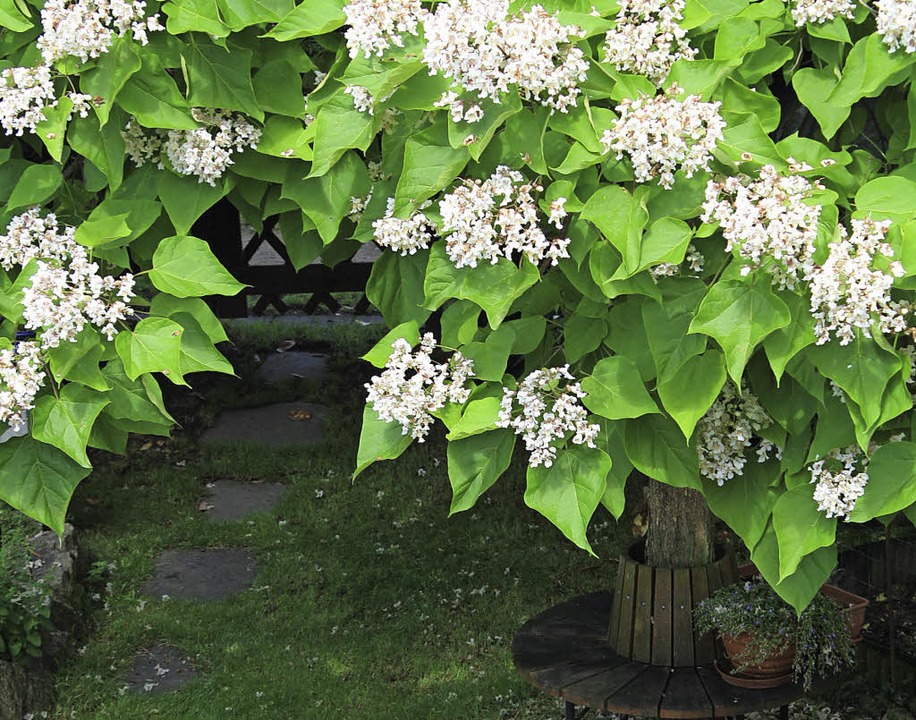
703, 645
682, 619
614, 623
593, 691
570, 671
685, 696
641, 696
625, 619
642, 616
662, 636
714, 577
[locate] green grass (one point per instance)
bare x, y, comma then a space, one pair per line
369, 601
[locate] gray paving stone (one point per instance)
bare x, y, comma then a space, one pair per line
280, 425
294, 364
162, 668
207, 575
229, 500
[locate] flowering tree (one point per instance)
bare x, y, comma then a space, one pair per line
670, 235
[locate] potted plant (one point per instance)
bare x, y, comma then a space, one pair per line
766, 640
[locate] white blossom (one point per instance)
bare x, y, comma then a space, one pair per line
839, 482
848, 292
82, 103
768, 221
485, 51
817, 12
897, 24
486, 220
21, 377
66, 291
376, 25
543, 413
647, 39
362, 98
693, 258
662, 133
25, 92
726, 430
205, 152
412, 386
86, 28
403, 235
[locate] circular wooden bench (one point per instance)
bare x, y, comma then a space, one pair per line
564, 651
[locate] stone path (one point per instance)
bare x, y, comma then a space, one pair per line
228, 500
294, 364
162, 668
206, 575
288, 424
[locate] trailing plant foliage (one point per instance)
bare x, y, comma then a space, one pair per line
819, 636
25, 604
704, 208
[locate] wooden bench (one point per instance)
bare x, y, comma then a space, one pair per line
564, 651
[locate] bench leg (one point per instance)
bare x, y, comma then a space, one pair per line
571, 713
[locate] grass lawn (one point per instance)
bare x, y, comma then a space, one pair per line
369, 601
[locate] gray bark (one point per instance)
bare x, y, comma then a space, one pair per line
680, 528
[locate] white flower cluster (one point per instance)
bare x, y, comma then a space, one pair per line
362, 98
694, 259
470, 114
838, 482
484, 51
548, 414
66, 290
818, 12
412, 386
205, 152
496, 217
897, 23
376, 25
21, 377
648, 39
24, 94
848, 292
768, 221
86, 28
662, 133
726, 430
404, 236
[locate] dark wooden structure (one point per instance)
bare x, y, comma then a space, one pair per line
652, 614
221, 227
565, 652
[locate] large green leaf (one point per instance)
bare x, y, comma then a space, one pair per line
430, 165
665, 241
888, 198
185, 198
381, 351
692, 389
13, 17
197, 351
656, 448
278, 88
785, 343
799, 588
326, 199
620, 217
891, 482
800, 528
494, 287
184, 266
221, 78
199, 15
167, 305
153, 98
66, 421
479, 416
36, 184
136, 404
744, 503
475, 463
616, 391
39, 480
378, 440
338, 127
311, 17
153, 346
102, 146
239, 14
78, 361
112, 70
610, 439
395, 287
568, 492
813, 87
738, 315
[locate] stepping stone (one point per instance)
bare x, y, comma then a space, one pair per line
231, 500
280, 425
294, 364
205, 575
162, 668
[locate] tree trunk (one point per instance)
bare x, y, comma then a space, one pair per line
680, 528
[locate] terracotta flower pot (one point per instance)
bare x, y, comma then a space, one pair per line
775, 665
